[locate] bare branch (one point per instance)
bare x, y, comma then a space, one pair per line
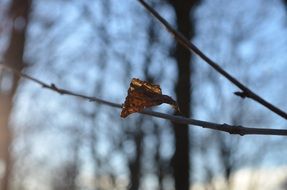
240, 130
246, 92
61, 91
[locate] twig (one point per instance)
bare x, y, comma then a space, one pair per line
61, 91
245, 91
240, 130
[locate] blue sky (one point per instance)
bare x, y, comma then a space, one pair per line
66, 48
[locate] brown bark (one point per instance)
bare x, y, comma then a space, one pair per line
13, 57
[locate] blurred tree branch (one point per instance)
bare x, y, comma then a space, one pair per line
245, 91
232, 129
18, 15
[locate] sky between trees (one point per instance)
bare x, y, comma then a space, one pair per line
95, 48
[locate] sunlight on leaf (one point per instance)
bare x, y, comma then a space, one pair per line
141, 95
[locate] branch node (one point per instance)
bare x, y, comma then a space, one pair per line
233, 129
240, 129
240, 94
55, 88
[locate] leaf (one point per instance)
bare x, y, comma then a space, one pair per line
141, 95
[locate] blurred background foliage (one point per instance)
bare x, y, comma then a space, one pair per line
54, 142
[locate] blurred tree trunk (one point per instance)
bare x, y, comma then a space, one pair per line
68, 176
285, 4
69, 170
180, 161
13, 57
135, 164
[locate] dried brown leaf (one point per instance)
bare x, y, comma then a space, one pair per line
141, 95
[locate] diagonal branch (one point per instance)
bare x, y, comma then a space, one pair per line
61, 91
245, 91
240, 130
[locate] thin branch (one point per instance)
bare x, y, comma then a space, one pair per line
61, 91
240, 130
245, 91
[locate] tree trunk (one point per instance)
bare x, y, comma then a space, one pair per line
181, 161
13, 57
285, 4
135, 164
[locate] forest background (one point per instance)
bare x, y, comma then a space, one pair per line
54, 142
